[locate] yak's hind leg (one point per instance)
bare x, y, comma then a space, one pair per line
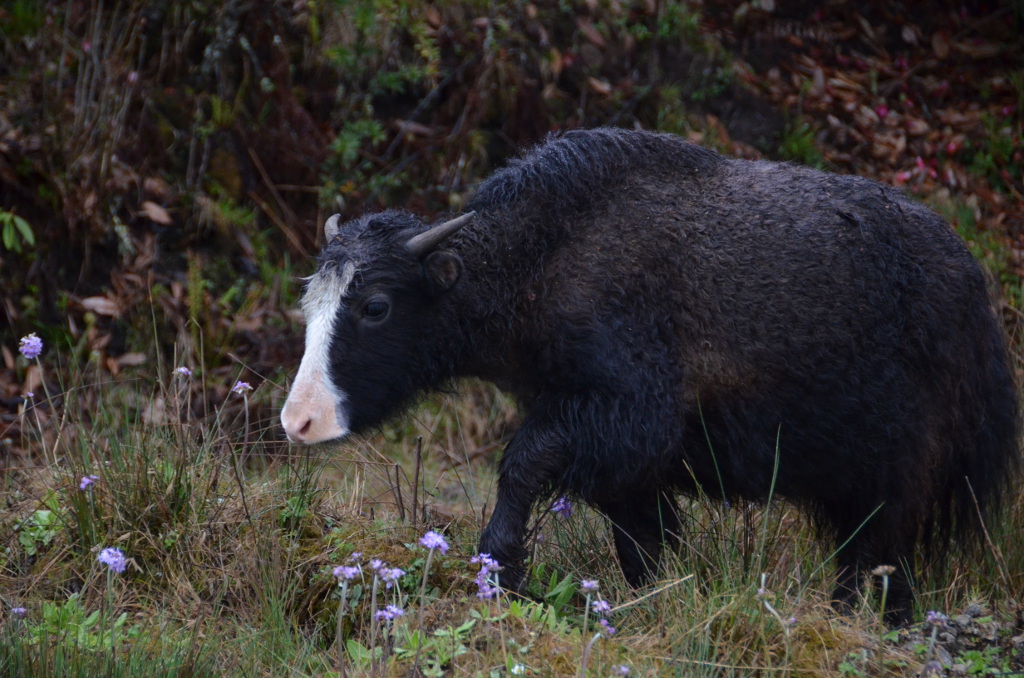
867, 549
641, 525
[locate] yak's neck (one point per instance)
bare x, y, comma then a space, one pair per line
537, 205
502, 261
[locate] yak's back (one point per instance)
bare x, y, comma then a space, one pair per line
569, 174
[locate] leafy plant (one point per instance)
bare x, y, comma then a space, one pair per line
798, 145
438, 649
37, 530
538, 613
15, 231
994, 158
984, 662
853, 665
69, 621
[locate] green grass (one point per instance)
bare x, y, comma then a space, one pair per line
232, 539
798, 145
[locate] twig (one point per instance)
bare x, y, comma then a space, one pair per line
996, 552
398, 492
283, 227
285, 210
416, 481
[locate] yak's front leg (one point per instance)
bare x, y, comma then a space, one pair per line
641, 525
533, 461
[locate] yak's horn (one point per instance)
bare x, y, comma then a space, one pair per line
332, 227
425, 242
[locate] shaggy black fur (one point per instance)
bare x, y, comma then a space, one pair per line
672, 319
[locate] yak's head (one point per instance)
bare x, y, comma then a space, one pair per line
371, 324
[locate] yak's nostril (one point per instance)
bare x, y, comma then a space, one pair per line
311, 422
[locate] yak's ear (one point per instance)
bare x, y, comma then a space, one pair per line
331, 227
443, 268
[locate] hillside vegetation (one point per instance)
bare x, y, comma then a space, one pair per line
165, 168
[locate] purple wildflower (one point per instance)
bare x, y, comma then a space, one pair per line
347, 572
87, 481
29, 394
936, 618
112, 558
19, 611
485, 561
487, 566
376, 564
241, 387
621, 670
562, 507
432, 540
390, 575
356, 556
31, 346
183, 371
608, 628
588, 585
601, 606
389, 613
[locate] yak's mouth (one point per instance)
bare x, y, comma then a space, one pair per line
313, 414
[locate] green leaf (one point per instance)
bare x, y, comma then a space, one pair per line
359, 653
91, 620
9, 241
26, 231
560, 594
464, 629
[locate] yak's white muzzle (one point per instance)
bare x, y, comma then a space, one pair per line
314, 411
312, 414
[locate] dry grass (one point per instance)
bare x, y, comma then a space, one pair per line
231, 539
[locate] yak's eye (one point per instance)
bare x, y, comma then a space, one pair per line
376, 309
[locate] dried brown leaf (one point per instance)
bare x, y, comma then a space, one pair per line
433, 17
414, 128
818, 81
889, 145
940, 44
131, 359
101, 305
865, 117
156, 187
600, 86
845, 81
156, 213
981, 50
556, 62
589, 32
917, 127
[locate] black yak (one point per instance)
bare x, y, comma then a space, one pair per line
673, 320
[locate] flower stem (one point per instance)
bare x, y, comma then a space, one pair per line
338, 634
423, 592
